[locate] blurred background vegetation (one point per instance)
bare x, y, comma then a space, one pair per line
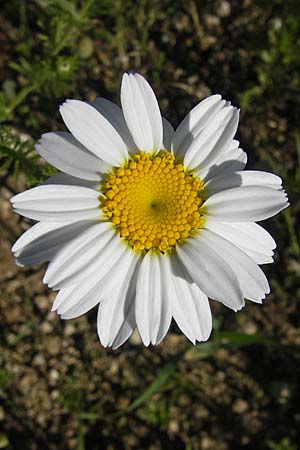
58, 388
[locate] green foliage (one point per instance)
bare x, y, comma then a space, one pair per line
4, 442
279, 57
284, 444
5, 379
72, 398
18, 156
156, 386
292, 182
44, 60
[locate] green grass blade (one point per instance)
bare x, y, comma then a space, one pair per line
162, 377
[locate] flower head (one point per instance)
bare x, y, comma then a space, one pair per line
147, 222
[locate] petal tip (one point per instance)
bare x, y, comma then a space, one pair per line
18, 263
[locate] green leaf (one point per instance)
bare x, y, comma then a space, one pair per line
238, 339
162, 377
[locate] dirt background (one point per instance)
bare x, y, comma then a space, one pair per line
59, 389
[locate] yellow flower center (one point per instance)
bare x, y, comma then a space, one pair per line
153, 201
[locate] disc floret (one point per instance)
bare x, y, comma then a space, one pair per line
153, 201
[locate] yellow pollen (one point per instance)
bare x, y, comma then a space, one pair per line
153, 201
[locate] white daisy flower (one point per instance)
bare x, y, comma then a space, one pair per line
147, 222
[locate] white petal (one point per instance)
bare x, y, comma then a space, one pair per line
209, 144
79, 258
154, 293
194, 122
234, 144
127, 328
232, 160
244, 178
70, 216
190, 306
86, 294
116, 309
251, 278
114, 114
94, 131
65, 153
211, 272
245, 204
259, 258
70, 304
255, 231
249, 237
168, 132
141, 112
43, 240
58, 203
63, 178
